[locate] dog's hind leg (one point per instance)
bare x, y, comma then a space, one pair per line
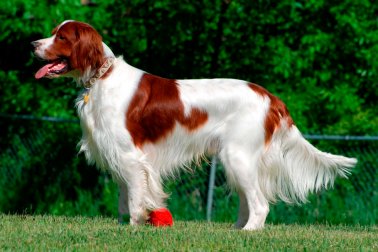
258, 207
241, 161
243, 211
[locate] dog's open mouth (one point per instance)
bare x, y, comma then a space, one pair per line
53, 68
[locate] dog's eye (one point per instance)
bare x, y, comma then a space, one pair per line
60, 37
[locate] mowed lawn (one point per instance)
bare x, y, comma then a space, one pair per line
42, 233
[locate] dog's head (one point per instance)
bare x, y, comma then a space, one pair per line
73, 49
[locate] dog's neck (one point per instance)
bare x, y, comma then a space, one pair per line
91, 76
100, 72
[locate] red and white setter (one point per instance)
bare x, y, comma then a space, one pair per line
141, 128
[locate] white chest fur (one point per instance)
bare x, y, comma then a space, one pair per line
102, 111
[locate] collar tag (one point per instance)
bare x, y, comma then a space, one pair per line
86, 98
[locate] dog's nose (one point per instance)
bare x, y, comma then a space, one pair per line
35, 44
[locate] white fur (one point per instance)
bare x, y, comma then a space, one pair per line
288, 168
44, 45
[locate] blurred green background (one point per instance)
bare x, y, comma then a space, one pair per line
319, 57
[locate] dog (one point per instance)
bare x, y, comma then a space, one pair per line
142, 128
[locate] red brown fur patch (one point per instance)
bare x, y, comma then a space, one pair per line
156, 108
80, 43
277, 111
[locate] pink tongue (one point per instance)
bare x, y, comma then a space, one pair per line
43, 71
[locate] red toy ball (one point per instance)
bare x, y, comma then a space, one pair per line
161, 217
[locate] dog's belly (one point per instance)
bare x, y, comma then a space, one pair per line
181, 147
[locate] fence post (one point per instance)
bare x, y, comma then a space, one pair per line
210, 192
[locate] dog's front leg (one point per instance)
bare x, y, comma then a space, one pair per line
123, 202
144, 189
136, 194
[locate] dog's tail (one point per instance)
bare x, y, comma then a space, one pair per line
291, 167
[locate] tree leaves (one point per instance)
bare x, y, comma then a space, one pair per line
283, 46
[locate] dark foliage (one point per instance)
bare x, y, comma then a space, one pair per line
319, 57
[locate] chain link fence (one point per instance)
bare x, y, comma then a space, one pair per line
40, 172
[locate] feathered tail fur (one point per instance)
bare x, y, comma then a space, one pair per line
291, 167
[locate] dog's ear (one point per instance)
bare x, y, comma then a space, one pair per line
88, 50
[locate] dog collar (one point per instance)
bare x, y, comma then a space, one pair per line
100, 72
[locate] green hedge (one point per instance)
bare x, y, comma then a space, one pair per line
319, 57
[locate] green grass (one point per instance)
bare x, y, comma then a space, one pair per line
42, 233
